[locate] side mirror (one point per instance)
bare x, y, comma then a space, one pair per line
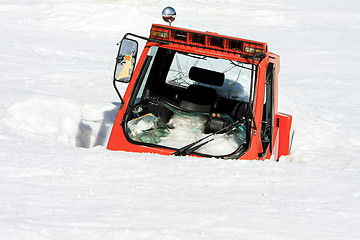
125, 60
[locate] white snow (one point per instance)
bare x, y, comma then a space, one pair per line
57, 103
188, 129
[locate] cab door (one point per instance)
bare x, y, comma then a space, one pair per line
267, 122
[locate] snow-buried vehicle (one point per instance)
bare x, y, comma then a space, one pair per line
199, 93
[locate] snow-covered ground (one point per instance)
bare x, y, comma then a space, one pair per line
57, 103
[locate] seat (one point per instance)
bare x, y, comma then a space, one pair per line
240, 111
198, 98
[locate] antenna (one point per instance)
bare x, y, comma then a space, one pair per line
169, 14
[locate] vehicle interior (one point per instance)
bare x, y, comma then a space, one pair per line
176, 90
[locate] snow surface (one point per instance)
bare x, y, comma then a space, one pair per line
57, 103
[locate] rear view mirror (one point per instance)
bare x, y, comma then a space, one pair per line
125, 60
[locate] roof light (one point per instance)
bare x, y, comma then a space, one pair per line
198, 38
159, 34
217, 42
253, 50
180, 35
235, 45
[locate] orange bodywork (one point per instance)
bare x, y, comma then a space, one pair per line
281, 122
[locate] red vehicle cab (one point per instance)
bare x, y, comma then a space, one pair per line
200, 94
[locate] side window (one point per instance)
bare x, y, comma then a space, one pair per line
145, 72
268, 118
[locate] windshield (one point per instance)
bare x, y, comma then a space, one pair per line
237, 74
181, 98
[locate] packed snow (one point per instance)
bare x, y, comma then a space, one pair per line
57, 106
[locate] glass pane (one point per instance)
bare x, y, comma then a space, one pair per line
237, 75
125, 61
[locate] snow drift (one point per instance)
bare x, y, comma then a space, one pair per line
65, 121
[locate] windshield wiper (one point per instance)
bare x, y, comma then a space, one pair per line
192, 147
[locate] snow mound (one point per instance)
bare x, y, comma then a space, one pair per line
67, 122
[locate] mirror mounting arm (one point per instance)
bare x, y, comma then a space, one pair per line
118, 93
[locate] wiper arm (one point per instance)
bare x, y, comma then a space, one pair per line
192, 147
